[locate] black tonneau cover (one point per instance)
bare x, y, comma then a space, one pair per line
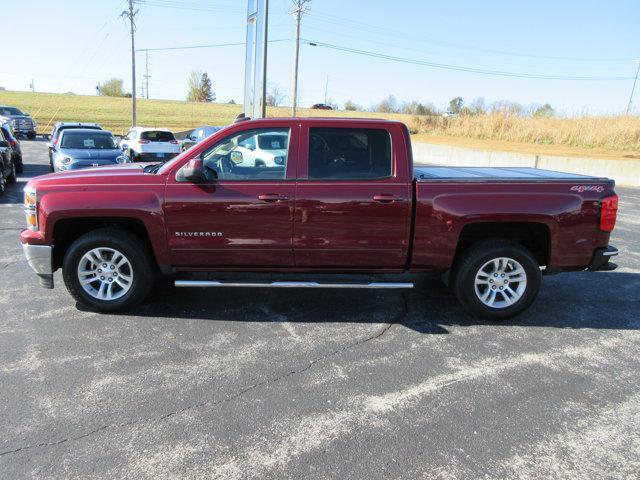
484, 174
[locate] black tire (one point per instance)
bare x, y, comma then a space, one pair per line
3, 182
18, 163
11, 179
470, 263
143, 267
31, 135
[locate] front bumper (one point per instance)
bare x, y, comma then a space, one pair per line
601, 257
39, 258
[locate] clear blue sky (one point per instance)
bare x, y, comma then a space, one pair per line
72, 45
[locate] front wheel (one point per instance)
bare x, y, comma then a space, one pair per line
497, 279
108, 269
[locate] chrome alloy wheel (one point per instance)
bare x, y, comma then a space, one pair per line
105, 273
500, 282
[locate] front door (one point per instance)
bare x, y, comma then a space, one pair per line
353, 203
243, 216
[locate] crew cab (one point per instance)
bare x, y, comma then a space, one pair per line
346, 199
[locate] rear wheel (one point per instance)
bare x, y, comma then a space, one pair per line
496, 279
108, 269
3, 182
31, 135
18, 163
11, 179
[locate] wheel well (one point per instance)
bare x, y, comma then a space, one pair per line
67, 230
533, 236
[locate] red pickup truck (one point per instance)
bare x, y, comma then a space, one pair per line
293, 196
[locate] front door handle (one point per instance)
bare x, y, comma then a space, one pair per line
272, 197
386, 198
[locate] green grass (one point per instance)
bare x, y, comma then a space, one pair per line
596, 137
115, 113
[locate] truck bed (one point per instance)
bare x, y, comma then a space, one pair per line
491, 174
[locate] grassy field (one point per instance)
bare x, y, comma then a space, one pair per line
599, 137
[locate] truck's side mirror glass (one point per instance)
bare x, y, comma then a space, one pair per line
193, 171
236, 157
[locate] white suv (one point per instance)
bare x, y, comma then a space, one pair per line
268, 149
143, 144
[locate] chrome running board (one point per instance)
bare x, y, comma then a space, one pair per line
213, 283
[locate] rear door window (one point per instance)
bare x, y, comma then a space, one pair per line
157, 136
349, 154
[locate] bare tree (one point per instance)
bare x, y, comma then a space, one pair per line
276, 96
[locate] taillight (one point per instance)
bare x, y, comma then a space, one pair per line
143, 142
608, 213
13, 143
55, 141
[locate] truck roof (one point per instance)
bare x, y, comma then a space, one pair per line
480, 174
326, 119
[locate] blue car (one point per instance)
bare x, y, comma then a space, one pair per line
198, 135
85, 148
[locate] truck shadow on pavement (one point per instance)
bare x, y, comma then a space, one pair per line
604, 300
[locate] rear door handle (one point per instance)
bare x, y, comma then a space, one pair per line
386, 198
272, 197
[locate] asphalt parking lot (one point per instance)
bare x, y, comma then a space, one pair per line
319, 384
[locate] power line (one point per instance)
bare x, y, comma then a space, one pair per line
462, 68
369, 28
214, 45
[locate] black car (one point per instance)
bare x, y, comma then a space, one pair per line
7, 167
59, 127
15, 145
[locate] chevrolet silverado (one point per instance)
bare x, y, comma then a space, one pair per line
345, 199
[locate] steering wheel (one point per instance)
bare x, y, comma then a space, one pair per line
220, 166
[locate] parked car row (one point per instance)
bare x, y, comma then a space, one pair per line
10, 157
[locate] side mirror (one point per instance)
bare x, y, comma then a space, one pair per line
193, 171
236, 157
4, 144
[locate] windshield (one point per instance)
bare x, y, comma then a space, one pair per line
157, 136
10, 111
272, 142
88, 141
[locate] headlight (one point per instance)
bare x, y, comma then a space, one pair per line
279, 160
63, 159
122, 159
31, 208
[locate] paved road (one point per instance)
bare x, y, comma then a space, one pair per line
320, 384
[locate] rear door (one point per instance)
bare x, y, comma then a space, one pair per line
243, 217
353, 198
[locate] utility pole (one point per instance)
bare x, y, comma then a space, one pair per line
130, 15
265, 42
326, 89
633, 89
298, 10
146, 72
